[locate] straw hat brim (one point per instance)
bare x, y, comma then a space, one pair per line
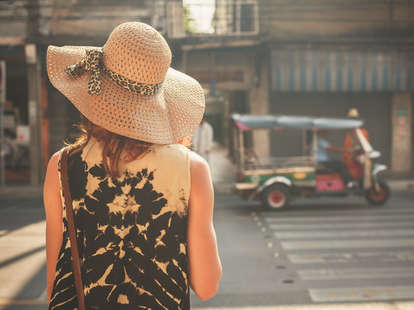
173, 113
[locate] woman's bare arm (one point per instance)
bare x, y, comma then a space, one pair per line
53, 209
205, 265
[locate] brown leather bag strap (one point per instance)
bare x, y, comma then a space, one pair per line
72, 231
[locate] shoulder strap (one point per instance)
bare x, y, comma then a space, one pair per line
72, 231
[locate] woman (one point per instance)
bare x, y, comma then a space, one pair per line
142, 203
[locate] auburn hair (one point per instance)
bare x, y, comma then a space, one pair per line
114, 145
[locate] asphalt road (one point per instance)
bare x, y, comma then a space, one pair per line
317, 251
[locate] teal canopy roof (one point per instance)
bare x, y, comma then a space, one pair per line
250, 122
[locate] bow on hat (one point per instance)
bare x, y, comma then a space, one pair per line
91, 62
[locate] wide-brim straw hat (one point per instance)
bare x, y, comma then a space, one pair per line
128, 87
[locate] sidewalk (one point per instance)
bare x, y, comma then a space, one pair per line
20, 192
222, 170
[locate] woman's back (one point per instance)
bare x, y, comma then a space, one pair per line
132, 231
143, 237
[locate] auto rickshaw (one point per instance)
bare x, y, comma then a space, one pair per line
277, 180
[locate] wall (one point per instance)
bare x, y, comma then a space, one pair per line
232, 69
12, 23
402, 133
334, 19
259, 105
339, 68
86, 19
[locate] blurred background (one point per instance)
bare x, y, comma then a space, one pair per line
295, 57
315, 57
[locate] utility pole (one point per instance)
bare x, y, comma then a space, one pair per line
2, 102
390, 13
34, 91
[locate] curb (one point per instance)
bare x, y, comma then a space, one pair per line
21, 192
362, 306
401, 185
223, 188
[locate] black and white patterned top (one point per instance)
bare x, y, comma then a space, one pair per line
132, 232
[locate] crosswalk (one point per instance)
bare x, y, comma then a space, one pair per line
345, 255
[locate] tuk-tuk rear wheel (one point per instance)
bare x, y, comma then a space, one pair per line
276, 196
379, 197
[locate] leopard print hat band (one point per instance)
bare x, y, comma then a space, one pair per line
93, 62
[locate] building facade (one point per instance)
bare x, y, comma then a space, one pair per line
38, 118
313, 57
318, 58
327, 57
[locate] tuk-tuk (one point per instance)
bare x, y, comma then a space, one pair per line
277, 180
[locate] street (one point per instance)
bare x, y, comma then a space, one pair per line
317, 251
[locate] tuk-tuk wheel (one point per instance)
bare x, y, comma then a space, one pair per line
276, 196
379, 197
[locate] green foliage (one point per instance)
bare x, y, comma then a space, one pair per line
189, 26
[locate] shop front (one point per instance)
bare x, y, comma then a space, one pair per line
329, 82
15, 124
19, 139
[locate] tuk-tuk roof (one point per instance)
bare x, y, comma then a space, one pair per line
248, 122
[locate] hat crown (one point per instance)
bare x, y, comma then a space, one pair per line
138, 52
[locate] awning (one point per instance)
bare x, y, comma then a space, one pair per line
249, 122
341, 70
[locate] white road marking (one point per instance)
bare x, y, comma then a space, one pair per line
343, 234
340, 218
349, 225
378, 256
344, 244
327, 213
356, 273
361, 293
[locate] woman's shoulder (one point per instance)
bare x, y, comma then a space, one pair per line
170, 157
55, 158
171, 150
199, 166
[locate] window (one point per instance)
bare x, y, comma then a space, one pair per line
244, 17
137, 4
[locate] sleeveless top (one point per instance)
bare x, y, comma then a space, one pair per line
131, 231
